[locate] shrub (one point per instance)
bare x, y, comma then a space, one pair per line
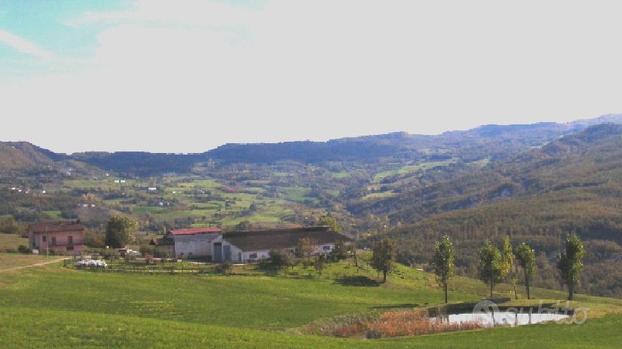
95, 239
340, 252
280, 259
108, 253
373, 334
147, 250
23, 249
224, 268
319, 264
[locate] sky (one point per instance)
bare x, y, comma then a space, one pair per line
190, 75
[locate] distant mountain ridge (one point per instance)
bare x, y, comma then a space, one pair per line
501, 141
563, 160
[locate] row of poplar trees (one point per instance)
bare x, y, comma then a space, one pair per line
498, 265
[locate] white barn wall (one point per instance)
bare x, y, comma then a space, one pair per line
238, 255
199, 245
263, 254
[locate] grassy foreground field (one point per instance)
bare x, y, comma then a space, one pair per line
11, 260
54, 307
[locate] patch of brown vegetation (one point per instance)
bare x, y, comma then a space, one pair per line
388, 324
413, 323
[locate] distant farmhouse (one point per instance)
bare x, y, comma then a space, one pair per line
60, 237
244, 246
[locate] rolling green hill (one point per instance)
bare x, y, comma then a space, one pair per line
23, 156
54, 307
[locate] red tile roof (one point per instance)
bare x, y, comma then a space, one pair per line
195, 231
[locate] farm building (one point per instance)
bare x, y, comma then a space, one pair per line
211, 244
194, 242
62, 237
252, 246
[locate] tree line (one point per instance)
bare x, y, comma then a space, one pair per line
495, 265
509, 264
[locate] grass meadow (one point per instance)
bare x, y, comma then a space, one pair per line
55, 307
11, 241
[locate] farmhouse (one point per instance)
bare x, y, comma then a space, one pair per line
194, 242
211, 244
63, 237
252, 246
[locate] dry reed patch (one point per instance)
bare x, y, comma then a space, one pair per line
388, 324
413, 323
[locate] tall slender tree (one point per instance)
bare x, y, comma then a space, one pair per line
383, 256
570, 263
508, 264
526, 258
490, 265
444, 262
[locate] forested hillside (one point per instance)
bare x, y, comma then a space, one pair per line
570, 185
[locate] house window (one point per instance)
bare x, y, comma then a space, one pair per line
53, 240
326, 248
70, 240
44, 238
252, 256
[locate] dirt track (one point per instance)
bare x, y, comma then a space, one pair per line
33, 265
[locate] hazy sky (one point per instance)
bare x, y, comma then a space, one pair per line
188, 75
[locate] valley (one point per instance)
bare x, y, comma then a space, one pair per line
532, 182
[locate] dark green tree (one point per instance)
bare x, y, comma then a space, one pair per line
570, 263
526, 258
490, 265
331, 222
444, 262
383, 256
119, 231
9, 225
280, 259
